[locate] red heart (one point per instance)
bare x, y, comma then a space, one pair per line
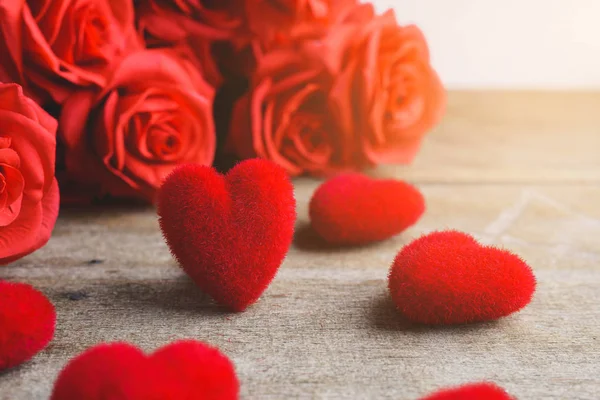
186, 370
353, 209
27, 322
449, 278
473, 391
229, 233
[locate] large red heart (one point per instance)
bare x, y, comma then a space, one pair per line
472, 391
449, 278
27, 323
353, 209
186, 370
229, 233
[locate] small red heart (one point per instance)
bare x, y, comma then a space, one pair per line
354, 209
186, 370
473, 391
449, 278
229, 233
27, 323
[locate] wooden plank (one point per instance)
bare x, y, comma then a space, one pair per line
528, 137
519, 170
325, 328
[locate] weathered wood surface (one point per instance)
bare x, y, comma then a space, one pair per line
520, 170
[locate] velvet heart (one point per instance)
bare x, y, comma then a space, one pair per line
185, 370
472, 391
449, 278
353, 209
229, 233
27, 322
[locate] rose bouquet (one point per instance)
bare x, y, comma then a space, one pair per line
139, 87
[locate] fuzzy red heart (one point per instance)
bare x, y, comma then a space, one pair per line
229, 233
185, 370
449, 278
27, 323
473, 391
353, 209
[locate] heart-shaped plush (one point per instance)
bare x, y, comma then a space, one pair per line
448, 278
353, 209
185, 370
229, 233
472, 391
27, 323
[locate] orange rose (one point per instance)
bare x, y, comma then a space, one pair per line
154, 114
54, 47
393, 95
287, 116
28, 190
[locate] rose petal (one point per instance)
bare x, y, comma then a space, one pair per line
396, 96
9, 156
13, 99
123, 12
49, 208
74, 117
41, 116
54, 11
271, 152
14, 194
20, 237
197, 135
10, 18
50, 205
349, 122
108, 140
145, 67
290, 107
149, 82
3, 194
35, 145
394, 154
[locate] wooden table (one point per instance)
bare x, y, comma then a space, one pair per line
520, 170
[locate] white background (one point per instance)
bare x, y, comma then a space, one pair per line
530, 44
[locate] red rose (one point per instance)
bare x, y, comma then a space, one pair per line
393, 96
28, 189
55, 47
154, 114
274, 21
287, 116
192, 28
168, 21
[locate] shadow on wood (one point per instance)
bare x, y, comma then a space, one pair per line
384, 315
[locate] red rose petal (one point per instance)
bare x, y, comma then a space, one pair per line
43, 216
354, 209
27, 322
473, 391
120, 371
229, 233
449, 278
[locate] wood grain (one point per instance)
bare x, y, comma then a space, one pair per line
520, 170
504, 137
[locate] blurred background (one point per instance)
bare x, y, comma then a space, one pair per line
522, 44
